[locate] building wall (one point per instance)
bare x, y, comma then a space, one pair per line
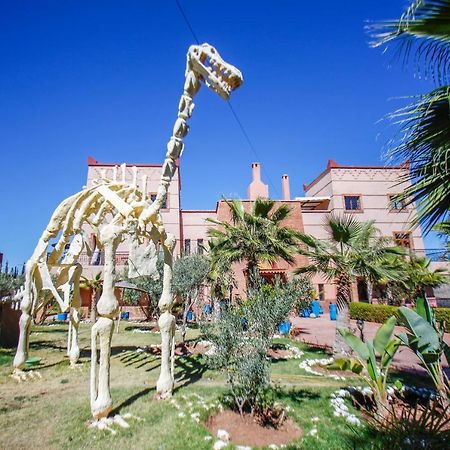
372, 184
195, 227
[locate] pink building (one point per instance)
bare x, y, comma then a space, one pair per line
365, 191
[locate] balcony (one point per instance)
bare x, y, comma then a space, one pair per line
98, 259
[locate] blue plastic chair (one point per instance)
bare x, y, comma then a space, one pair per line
62, 316
285, 327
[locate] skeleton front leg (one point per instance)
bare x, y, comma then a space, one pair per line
166, 322
73, 348
26, 305
107, 307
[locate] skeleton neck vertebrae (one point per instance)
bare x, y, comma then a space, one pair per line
117, 210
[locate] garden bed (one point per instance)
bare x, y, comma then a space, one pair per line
244, 430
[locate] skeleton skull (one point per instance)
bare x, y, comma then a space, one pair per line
221, 77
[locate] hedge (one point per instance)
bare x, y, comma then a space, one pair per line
443, 315
380, 313
371, 313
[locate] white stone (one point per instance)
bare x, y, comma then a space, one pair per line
218, 445
223, 435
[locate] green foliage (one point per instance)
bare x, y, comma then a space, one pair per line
370, 312
189, 273
424, 124
418, 426
417, 275
353, 249
304, 293
241, 337
253, 237
346, 364
150, 284
384, 345
9, 283
426, 340
442, 316
380, 313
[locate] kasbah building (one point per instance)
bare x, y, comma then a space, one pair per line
365, 191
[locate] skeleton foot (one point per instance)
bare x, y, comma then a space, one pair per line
107, 423
20, 375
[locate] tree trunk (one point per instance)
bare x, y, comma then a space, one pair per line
369, 291
340, 348
252, 273
389, 296
187, 306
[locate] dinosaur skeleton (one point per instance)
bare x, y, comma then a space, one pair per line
116, 210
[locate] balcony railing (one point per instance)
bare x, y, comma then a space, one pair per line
98, 259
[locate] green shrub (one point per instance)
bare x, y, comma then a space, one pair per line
241, 337
380, 313
443, 316
371, 313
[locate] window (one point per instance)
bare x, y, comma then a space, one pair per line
396, 204
403, 239
153, 198
187, 246
200, 248
321, 292
352, 203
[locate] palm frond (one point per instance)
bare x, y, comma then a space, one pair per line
262, 207
281, 213
424, 141
343, 228
423, 30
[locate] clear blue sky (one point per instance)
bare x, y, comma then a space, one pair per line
103, 78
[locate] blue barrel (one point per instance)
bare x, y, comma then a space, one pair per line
316, 309
306, 312
207, 309
333, 311
125, 315
190, 316
284, 327
62, 316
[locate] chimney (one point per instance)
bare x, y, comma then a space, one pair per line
257, 189
256, 172
286, 192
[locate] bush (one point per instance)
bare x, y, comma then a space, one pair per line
304, 293
443, 316
372, 313
242, 336
380, 313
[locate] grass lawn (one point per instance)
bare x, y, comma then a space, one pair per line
52, 411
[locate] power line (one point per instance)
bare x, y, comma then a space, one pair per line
233, 111
187, 21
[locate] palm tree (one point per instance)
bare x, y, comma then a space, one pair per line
417, 275
353, 249
424, 138
95, 285
254, 237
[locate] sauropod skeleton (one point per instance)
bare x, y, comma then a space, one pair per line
117, 210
